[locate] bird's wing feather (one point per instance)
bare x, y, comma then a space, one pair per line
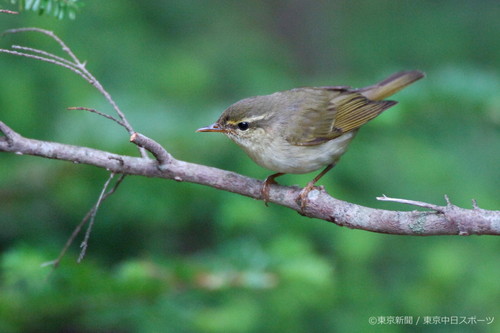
327, 114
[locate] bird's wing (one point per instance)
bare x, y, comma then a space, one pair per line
327, 113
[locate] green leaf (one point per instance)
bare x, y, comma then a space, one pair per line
55, 8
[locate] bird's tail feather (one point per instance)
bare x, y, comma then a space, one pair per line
391, 85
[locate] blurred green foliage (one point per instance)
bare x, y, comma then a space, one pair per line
56, 8
176, 257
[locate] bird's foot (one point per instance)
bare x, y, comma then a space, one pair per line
264, 191
304, 196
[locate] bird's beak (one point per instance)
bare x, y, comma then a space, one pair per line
212, 128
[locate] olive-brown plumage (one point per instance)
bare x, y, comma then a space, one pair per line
304, 129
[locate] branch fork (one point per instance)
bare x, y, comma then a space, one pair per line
161, 155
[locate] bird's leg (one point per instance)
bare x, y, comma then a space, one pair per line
310, 186
264, 191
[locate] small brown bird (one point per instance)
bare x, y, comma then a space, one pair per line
304, 129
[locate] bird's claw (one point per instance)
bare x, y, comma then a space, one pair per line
264, 191
304, 196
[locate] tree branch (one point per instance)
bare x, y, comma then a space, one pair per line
448, 220
442, 220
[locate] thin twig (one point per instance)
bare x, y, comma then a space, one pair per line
52, 35
76, 66
55, 263
49, 60
97, 112
110, 100
93, 213
6, 11
47, 54
422, 204
79, 65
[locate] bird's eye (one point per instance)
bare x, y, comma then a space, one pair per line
243, 126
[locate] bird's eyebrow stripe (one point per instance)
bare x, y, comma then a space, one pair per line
248, 120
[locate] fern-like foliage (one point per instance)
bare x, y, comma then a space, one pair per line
57, 8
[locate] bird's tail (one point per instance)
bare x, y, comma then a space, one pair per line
391, 85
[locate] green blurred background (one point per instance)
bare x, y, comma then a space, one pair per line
177, 257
